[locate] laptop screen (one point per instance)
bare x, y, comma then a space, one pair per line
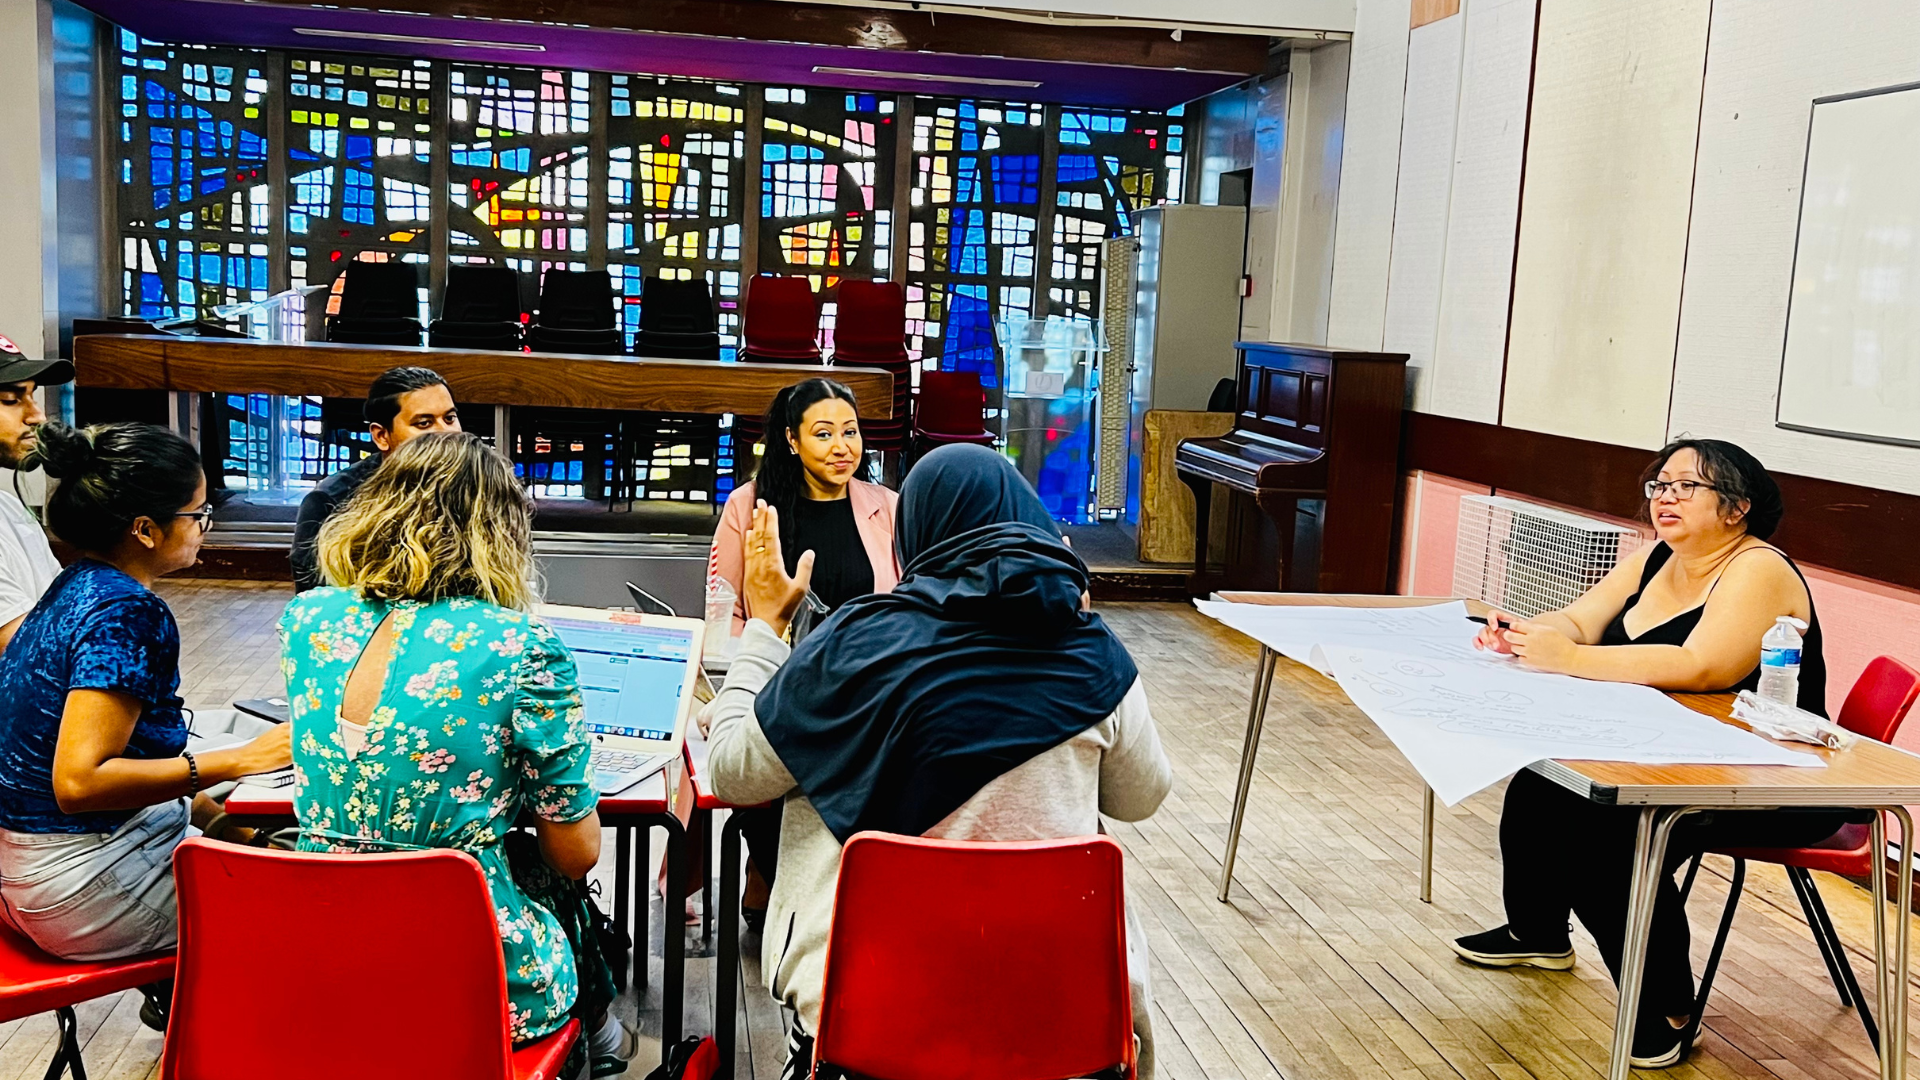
631, 676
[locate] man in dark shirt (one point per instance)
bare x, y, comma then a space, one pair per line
401, 403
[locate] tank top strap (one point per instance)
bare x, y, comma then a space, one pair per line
1656, 559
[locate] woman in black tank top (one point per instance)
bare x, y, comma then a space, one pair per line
1712, 506
1675, 630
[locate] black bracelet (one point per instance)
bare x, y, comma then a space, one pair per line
193, 774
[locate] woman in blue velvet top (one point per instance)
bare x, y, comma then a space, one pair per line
94, 777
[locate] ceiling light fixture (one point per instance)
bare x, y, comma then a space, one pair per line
418, 39
915, 76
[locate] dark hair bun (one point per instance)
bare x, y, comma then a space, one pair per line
62, 451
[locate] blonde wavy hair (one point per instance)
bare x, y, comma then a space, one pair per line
442, 517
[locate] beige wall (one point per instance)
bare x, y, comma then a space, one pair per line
28, 312
1369, 171
1423, 264
1603, 222
26, 177
1656, 206
1310, 189
1768, 60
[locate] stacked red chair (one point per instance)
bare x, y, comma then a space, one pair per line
248, 1003
870, 330
33, 982
915, 919
781, 325
1879, 702
782, 321
952, 409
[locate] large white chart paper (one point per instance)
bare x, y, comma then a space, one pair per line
1465, 725
1302, 634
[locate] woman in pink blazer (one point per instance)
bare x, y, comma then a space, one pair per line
844, 525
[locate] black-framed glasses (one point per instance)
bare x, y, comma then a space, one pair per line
204, 516
1682, 489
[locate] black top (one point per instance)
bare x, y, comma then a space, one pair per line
315, 509
841, 569
1813, 661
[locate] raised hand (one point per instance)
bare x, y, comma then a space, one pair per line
771, 594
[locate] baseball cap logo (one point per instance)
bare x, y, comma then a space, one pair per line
7, 346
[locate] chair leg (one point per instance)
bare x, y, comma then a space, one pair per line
67, 1056
1801, 883
1719, 945
1816, 909
1686, 884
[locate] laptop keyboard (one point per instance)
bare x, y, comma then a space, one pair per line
616, 770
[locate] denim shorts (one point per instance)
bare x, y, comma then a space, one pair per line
95, 896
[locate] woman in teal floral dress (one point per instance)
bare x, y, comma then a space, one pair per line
430, 709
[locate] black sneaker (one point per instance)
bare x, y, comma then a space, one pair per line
1659, 1045
1499, 948
156, 1000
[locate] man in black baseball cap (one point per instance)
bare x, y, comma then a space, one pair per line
27, 565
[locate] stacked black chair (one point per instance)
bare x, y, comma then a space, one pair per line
576, 314
481, 310
677, 321
379, 305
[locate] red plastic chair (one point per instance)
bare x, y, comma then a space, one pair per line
870, 330
950, 960
870, 327
782, 320
1875, 707
32, 981
952, 409
314, 967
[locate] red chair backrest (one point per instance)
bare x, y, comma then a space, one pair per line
949, 960
315, 967
951, 403
1880, 699
782, 314
871, 320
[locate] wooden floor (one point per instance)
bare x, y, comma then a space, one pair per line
1325, 965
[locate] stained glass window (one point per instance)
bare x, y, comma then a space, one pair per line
552, 167
193, 191
1112, 165
826, 184
521, 165
973, 212
676, 195
359, 137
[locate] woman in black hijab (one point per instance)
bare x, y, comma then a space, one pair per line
979, 700
1685, 613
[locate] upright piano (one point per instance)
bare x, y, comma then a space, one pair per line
1312, 424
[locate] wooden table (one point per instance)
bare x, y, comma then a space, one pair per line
476, 376
639, 808
1871, 775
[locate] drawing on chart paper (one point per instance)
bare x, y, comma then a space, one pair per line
1435, 632
1465, 724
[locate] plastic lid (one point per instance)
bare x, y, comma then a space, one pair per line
1798, 624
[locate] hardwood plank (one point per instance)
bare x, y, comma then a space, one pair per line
1324, 966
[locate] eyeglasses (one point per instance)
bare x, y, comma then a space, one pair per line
1682, 489
204, 516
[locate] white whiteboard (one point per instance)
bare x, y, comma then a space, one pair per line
1852, 360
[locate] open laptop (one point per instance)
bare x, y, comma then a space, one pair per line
636, 679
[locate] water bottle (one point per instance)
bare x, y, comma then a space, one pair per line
1780, 661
